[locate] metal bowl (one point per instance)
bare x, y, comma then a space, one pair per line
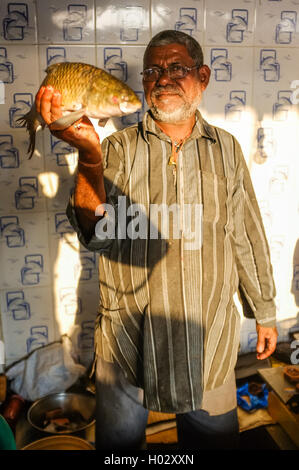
69, 403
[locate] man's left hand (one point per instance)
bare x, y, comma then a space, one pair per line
266, 341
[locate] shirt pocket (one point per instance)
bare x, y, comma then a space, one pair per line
216, 198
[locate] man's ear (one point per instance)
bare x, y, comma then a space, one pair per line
204, 76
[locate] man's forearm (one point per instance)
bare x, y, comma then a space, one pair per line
89, 192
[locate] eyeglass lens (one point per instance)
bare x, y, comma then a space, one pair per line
173, 71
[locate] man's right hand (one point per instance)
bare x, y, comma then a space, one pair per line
85, 139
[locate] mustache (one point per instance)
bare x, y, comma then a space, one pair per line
168, 89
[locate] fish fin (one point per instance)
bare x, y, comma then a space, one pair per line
103, 122
66, 121
32, 121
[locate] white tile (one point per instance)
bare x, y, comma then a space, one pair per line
22, 231
19, 73
14, 157
30, 268
171, 14
126, 22
24, 249
60, 195
126, 64
88, 293
66, 22
72, 263
18, 22
28, 320
58, 178
60, 230
123, 62
20, 176
53, 54
53, 172
78, 303
230, 22
82, 333
248, 336
277, 23
265, 143
275, 179
229, 91
227, 101
78, 306
24, 193
273, 75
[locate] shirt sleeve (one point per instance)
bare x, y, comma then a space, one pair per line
256, 283
113, 165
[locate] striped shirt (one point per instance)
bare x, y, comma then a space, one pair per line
166, 311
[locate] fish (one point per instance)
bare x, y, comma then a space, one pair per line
86, 90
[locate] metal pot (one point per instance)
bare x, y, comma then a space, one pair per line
69, 403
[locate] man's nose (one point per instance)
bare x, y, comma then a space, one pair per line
164, 78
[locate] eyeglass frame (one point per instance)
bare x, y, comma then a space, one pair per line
163, 69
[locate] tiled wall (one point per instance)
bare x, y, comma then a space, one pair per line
48, 283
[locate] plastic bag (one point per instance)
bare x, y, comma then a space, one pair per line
50, 369
255, 401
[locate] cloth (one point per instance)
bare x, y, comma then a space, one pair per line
166, 312
222, 399
121, 418
199, 430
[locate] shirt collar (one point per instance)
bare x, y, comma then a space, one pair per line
201, 129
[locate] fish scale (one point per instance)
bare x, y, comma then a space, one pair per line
62, 78
85, 90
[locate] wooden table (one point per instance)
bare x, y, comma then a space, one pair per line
278, 397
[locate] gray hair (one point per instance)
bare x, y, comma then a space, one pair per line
170, 36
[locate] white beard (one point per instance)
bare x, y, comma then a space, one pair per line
182, 113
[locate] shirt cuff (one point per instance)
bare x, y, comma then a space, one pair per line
266, 318
92, 244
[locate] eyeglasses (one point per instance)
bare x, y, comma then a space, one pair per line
174, 72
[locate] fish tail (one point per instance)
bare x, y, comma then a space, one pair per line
31, 121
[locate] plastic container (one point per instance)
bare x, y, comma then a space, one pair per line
7, 440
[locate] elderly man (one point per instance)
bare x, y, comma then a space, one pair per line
167, 331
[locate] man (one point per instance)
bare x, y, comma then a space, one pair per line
167, 331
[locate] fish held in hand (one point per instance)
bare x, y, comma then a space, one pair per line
85, 90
